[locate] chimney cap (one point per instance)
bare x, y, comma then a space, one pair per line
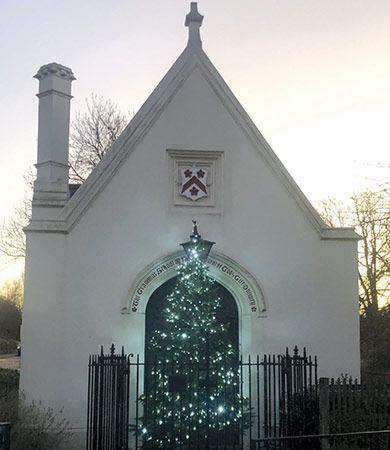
55, 69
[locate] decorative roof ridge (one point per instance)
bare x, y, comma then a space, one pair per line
252, 131
136, 128
192, 57
194, 22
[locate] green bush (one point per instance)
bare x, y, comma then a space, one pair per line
9, 382
304, 420
7, 346
374, 339
10, 319
33, 427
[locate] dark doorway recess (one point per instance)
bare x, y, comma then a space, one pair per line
226, 314
192, 390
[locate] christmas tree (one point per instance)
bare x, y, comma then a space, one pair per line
192, 380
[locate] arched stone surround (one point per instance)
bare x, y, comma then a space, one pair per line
237, 280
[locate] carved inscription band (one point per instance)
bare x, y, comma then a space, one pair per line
239, 280
221, 268
156, 272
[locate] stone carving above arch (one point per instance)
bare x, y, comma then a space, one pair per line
242, 285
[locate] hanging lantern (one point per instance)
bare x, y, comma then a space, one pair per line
197, 247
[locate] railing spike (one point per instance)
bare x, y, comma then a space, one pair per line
283, 376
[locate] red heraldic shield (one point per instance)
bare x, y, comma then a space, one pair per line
193, 183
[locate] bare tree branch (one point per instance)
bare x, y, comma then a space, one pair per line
13, 290
92, 135
12, 238
369, 212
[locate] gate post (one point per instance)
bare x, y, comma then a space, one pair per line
324, 411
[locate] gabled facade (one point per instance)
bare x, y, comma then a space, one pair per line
94, 260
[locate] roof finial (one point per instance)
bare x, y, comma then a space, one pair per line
194, 22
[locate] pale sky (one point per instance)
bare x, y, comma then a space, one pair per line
314, 75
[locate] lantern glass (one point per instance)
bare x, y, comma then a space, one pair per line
197, 247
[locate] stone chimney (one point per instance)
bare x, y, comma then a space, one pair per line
51, 184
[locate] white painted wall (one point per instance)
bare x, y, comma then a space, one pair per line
76, 283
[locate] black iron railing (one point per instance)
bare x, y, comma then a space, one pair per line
108, 401
167, 404
370, 440
283, 395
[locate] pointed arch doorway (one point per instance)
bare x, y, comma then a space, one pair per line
192, 395
225, 271
227, 315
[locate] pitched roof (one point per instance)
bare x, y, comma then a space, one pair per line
193, 57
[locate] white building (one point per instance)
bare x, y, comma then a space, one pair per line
94, 259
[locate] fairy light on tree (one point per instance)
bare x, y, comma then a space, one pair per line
192, 378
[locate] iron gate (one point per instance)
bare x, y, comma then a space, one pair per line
186, 405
